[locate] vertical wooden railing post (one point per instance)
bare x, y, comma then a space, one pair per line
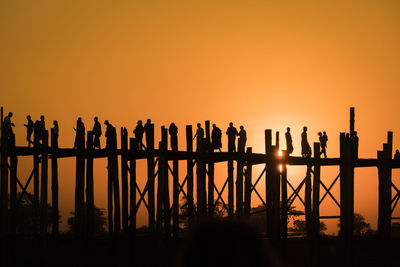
315, 190
13, 194
189, 188
201, 183
124, 178
117, 209
166, 202
160, 187
239, 184
110, 189
54, 183
3, 194
90, 213
230, 183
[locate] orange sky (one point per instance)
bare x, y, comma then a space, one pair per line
263, 64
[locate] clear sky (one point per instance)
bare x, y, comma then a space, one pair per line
261, 64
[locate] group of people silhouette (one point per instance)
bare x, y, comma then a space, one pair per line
216, 138
38, 127
305, 146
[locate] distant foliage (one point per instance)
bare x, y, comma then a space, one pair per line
100, 221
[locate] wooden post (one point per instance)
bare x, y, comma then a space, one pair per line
352, 121
110, 192
268, 181
36, 160
124, 177
43, 189
385, 190
80, 186
284, 209
132, 186
189, 188
160, 187
248, 183
239, 185
346, 190
13, 194
210, 192
275, 183
316, 187
54, 183
230, 185
90, 213
307, 201
175, 218
117, 209
166, 202
201, 183
150, 176
3, 194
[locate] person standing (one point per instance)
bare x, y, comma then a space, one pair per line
139, 130
305, 146
323, 139
147, 129
110, 135
232, 133
242, 140
200, 135
29, 130
80, 133
289, 141
96, 133
173, 132
216, 135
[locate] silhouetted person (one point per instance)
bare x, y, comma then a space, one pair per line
396, 155
56, 132
80, 133
356, 144
232, 133
29, 130
139, 130
305, 146
289, 141
110, 135
96, 133
200, 135
242, 140
42, 126
323, 139
173, 132
8, 127
56, 129
216, 135
147, 129
37, 131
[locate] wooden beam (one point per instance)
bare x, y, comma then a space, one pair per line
132, 188
166, 202
248, 183
316, 191
284, 203
80, 186
43, 189
150, 176
175, 193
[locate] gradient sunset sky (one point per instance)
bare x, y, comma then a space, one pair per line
261, 64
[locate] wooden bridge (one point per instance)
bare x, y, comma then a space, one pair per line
163, 165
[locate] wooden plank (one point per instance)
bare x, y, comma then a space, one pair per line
352, 115
90, 212
150, 176
44, 186
54, 184
124, 178
189, 166
248, 183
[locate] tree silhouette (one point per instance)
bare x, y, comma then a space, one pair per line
25, 214
100, 221
299, 226
360, 226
